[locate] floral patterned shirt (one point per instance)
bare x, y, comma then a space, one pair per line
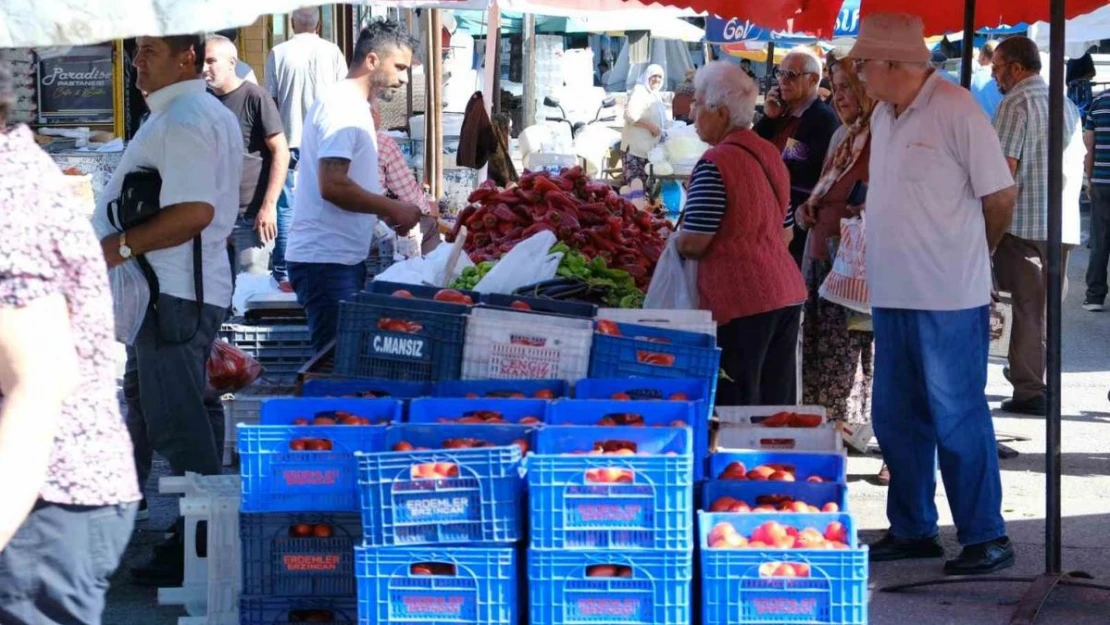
49, 247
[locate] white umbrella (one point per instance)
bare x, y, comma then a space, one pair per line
33, 23
1080, 33
660, 26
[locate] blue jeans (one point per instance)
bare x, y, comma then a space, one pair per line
320, 287
284, 219
929, 402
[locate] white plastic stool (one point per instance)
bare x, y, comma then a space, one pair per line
210, 592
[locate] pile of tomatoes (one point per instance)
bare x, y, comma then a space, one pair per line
608, 570
770, 503
461, 443
791, 420
775, 535
309, 530
492, 417
769, 472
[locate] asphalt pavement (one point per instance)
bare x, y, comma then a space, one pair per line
1085, 495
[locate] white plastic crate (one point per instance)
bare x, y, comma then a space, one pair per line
245, 407
700, 321
505, 345
739, 429
210, 591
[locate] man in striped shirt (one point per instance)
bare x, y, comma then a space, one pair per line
1097, 138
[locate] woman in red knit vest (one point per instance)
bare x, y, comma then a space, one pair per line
738, 197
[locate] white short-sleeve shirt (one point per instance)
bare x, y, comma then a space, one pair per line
299, 71
196, 145
925, 231
338, 125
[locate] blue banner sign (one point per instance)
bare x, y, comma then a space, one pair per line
720, 30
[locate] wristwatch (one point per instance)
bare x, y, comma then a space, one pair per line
124, 249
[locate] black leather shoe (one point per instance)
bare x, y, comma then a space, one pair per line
982, 558
891, 548
1037, 406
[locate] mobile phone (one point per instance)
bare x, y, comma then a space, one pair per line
858, 195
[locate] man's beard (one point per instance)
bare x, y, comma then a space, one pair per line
387, 94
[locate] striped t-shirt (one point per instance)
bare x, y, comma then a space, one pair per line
1098, 121
706, 200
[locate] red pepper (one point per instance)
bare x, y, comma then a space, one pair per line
536, 228
481, 239
505, 214
601, 243
563, 183
634, 270
490, 221
544, 185
527, 197
504, 228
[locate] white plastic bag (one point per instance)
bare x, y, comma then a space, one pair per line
674, 285
527, 263
846, 284
428, 269
130, 300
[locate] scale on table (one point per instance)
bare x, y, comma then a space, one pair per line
274, 306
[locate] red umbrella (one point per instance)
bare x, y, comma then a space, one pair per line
818, 16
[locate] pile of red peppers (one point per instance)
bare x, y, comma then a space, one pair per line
588, 216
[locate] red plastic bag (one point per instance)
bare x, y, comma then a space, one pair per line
230, 369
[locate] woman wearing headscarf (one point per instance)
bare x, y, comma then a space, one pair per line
645, 117
837, 361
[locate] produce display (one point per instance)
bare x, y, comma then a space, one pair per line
775, 535
770, 503
767, 473
607, 241
487, 416
308, 530
791, 420
543, 393
461, 443
337, 417
635, 420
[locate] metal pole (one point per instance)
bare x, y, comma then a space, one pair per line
969, 43
1055, 284
769, 78
528, 75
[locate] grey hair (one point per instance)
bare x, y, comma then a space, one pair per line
813, 63
722, 83
307, 18
223, 41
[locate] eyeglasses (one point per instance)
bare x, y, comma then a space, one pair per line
789, 74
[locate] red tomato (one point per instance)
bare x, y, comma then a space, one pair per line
300, 530
452, 296
519, 305
297, 444
605, 326
319, 444
402, 293
322, 530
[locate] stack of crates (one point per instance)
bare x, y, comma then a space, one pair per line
611, 513
442, 509
299, 522
788, 494
281, 349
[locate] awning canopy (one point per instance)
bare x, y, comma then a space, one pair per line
32, 23
660, 25
819, 17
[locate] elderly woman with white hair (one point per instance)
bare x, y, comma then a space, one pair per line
738, 196
800, 126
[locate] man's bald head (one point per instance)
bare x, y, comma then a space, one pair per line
220, 58
305, 20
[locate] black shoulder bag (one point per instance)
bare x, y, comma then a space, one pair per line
137, 204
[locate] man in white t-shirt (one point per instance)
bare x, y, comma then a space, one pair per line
297, 73
940, 199
195, 145
339, 191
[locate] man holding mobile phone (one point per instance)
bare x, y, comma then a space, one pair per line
801, 127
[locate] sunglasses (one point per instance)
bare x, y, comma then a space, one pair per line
789, 74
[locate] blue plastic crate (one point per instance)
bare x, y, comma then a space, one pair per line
449, 411
481, 505
277, 479
429, 353
432, 436
364, 389
734, 593
829, 467
299, 553
468, 586
571, 507
539, 304
655, 592
284, 410
269, 610
749, 492
687, 355
418, 291
532, 389
653, 413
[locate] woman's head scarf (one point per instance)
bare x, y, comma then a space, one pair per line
645, 78
849, 151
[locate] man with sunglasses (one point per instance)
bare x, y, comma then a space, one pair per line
801, 127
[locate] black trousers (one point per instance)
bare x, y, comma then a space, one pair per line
55, 570
760, 355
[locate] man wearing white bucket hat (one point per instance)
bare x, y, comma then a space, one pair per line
938, 182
